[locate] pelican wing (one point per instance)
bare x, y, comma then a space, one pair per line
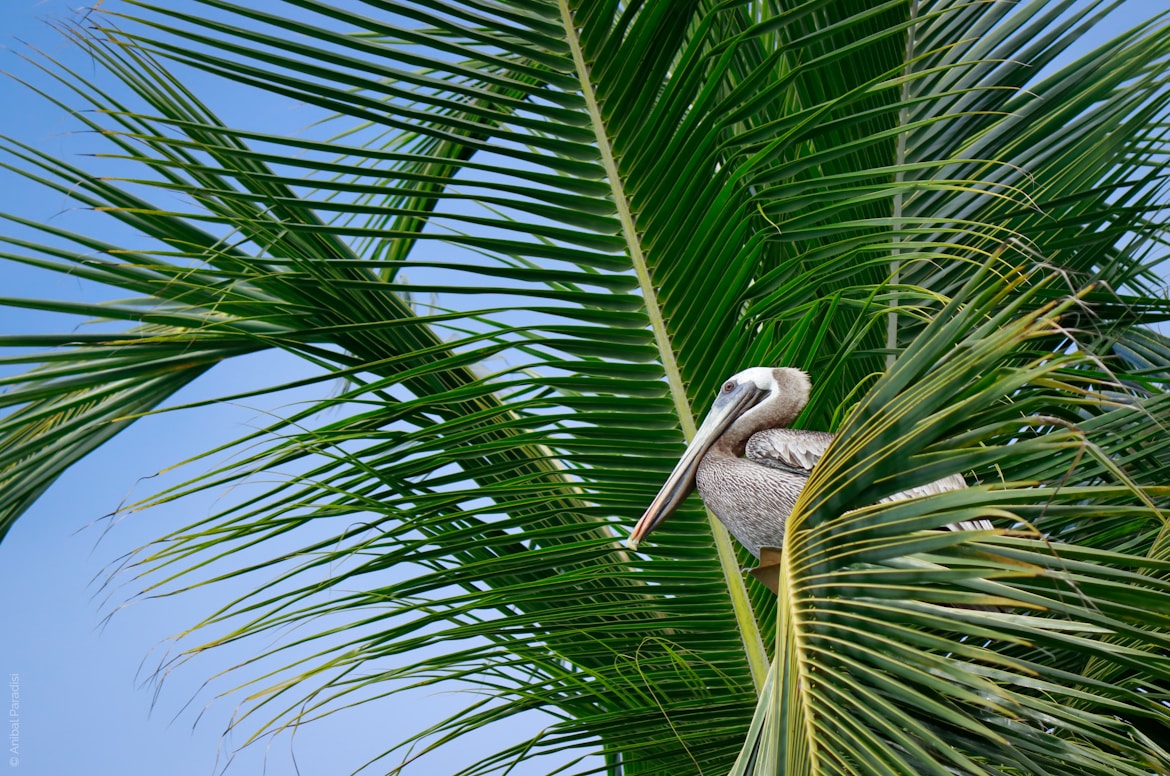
788, 448
953, 482
798, 451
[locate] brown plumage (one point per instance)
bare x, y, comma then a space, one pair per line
749, 467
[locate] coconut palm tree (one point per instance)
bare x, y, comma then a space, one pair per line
522, 251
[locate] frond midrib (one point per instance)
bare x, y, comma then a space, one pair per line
741, 605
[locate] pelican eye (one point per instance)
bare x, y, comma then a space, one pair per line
728, 386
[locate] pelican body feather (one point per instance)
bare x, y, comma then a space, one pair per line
750, 468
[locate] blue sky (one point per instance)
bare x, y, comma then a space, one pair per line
87, 703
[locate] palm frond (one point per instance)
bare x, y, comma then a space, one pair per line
994, 647
538, 238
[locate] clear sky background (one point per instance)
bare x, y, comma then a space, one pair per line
88, 703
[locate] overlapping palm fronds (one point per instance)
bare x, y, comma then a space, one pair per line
541, 235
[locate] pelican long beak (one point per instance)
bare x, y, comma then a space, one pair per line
681, 481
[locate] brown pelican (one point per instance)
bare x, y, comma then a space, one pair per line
754, 495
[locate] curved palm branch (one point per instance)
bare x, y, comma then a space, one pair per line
613, 207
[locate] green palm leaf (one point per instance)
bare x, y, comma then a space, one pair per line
871, 588
538, 237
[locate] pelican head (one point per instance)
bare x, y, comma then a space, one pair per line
752, 400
